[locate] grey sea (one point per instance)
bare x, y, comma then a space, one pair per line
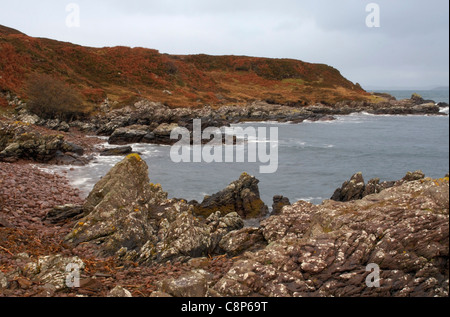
315, 158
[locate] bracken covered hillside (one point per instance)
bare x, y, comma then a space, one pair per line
123, 74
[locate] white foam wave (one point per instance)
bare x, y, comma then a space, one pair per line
310, 199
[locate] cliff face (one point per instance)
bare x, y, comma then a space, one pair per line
123, 74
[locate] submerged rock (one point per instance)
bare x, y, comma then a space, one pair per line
241, 196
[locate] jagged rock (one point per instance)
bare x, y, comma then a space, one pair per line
117, 208
413, 176
417, 99
356, 189
372, 187
33, 146
351, 190
278, 203
241, 196
28, 118
328, 250
127, 217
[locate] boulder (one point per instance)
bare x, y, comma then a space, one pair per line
241, 196
69, 147
61, 158
426, 108
162, 133
412, 176
129, 135
192, 284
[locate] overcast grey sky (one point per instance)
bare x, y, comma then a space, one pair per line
410, 49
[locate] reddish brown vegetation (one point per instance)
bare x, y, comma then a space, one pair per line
123, 73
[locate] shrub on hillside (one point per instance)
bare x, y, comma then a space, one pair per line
50, 98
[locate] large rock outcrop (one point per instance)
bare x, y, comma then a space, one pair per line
130, 218
331, 249
117, 208
241, 196
19, 141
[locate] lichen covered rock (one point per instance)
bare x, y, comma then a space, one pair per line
116, 211
329, 250
54, 270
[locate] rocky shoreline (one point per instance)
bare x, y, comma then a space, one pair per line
128, 239
26, 136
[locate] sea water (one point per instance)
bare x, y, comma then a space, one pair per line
315, 158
